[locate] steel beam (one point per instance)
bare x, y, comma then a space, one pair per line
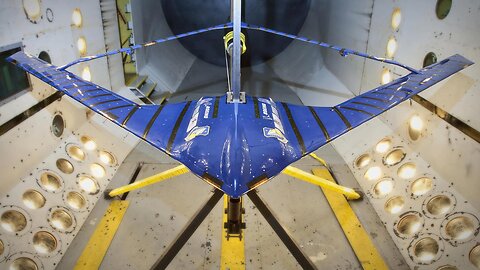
301, 257
188, 231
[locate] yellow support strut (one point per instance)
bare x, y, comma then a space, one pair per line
313, 155
233, 248
179, 170
322, 182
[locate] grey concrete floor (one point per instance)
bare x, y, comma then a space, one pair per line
158, 213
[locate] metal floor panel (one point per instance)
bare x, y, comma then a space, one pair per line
159, 212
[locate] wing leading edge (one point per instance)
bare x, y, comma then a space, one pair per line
237, 153
311, 127
141, 120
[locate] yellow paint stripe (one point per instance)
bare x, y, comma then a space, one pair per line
360, 242
233, 249
93, 254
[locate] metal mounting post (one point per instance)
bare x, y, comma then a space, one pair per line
236, 16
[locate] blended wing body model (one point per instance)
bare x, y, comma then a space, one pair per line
238, 146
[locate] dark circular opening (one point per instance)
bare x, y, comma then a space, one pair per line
443, 8
430, 58
58, 125
45, 57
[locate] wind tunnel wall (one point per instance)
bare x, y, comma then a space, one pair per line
285, 70
426, 167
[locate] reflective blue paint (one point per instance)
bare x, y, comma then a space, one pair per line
235, 145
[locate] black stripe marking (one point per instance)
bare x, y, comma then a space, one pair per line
345, 121
75, 85
257, 181
319, 122
356, 110
118, 107
177, 126
129, 115
295, 128
104, 102
215, 107
388, 94
93, 97
110, 115
212, 180
376, 99
368, 105
81, 92
152, 120
256, 108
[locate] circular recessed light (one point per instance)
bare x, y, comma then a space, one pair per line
13, 221
409, 224
33, 199
426, 250
88, 184
58, 125
75, 200
23, 263
97, 170
82, 46
394, 205
363, 161
43, 55
383, 146
88, 143
439, 205
107, 158
50, 182
44, 242
391, 47
407, 170
65, 166
416, 123
421, 186
396, 18
32, 9
383, 187
394, 157
415, 127
76, 153
460, 228
386, 76
443, 8
373, 173
77, 17
430, 59
474, 256
86, 75
61, 220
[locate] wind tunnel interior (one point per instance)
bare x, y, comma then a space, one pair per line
417, 164
274, 66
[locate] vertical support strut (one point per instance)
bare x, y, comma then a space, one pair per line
236, 16
233, 240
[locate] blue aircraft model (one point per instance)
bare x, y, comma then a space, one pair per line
237, 146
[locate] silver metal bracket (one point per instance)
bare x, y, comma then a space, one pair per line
242, 98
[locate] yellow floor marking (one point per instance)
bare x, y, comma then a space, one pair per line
359, 239
233, 249
101, 238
